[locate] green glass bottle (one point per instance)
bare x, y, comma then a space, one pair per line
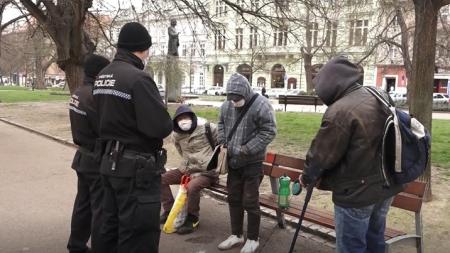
284, 191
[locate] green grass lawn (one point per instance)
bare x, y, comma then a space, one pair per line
296, 131
12, 94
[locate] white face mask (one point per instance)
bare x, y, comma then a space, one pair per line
185, 124
239, 103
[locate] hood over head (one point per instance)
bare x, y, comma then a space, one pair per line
238, 84
184, 109
335, 79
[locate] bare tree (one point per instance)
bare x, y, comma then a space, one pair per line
63, 21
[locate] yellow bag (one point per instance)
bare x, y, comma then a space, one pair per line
178, 213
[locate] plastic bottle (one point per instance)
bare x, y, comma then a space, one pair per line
284, 191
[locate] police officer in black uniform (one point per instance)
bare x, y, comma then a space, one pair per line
83, 119
133, 123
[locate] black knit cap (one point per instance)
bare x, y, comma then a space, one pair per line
134, 37
94, 64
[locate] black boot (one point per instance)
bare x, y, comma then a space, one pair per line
189, 225
163, 217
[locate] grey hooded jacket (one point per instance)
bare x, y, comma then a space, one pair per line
256, 130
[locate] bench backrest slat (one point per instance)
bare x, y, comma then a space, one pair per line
408, 202
278, 171
291, 162
416, 188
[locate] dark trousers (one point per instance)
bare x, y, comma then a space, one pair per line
243, 194
86, 214
131, 215
195, 186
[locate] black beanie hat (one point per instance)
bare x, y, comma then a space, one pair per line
94, 64
134, 37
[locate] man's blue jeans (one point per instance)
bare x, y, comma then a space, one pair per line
361, 230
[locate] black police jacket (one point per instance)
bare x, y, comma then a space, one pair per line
84, 126
130, 108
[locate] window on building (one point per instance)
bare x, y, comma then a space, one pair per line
255, 4
358, 32
253, 37
241, 3
184, 52
192, 49
280, 36
202, 81
281, 5
191, 79
330, 40
358, 2
202, 49
313, 33
221, 8
239, 38
219, 39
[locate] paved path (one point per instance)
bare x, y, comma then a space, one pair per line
37, 189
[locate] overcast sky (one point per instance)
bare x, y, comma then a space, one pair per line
12, 12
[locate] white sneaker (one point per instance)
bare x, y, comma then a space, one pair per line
250, 246
230, 242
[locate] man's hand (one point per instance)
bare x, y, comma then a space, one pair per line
243, 150
303, 184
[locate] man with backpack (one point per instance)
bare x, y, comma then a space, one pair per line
246, 127
195, 140
345, 158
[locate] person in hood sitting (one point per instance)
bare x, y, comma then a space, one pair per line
195, 140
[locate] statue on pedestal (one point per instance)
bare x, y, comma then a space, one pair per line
173, 39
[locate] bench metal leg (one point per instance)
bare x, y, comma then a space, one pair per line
419, 232
409, 239
280, 215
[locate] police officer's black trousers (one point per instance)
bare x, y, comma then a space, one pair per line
131, 215
86, 216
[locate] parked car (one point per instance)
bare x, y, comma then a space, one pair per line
162, 91
215, 91
440, 98
257, 90
398, 98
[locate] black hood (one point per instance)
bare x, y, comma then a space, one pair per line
335, 79
127, 56
184, 109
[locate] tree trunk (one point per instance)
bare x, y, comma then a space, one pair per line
307, 62
74, 76
420, 88
40, 75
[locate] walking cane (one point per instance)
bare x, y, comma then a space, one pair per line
309, 191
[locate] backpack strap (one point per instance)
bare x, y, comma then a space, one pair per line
395, 122
209, 135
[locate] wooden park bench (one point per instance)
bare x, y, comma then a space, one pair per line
276, 165
299, 100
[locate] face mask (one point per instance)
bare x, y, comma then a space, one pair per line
185, 124
239, 103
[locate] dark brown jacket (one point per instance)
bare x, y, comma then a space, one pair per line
345, 154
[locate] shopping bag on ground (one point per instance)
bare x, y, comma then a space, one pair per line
178, 213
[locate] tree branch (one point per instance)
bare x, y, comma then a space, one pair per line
12, 21
34, 10
101, 28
